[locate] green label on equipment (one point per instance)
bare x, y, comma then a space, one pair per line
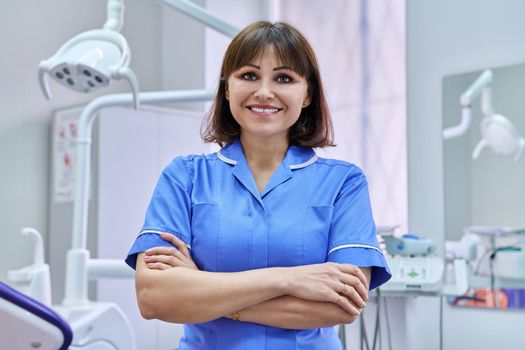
413, 274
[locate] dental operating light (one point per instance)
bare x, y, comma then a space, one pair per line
90, 60
497, 132
500, 134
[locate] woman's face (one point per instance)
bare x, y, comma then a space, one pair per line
266, 97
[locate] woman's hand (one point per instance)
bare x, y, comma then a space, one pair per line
162, 258
342, 284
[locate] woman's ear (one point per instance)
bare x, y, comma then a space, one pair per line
226, 89
306, 102
308, 97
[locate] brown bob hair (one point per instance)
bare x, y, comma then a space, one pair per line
314, 127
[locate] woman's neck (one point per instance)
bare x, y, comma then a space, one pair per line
263, 153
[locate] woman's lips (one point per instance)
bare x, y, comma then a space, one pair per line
264, 109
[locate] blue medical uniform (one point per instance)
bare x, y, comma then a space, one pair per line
312, 210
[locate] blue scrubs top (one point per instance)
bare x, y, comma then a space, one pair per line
313, 210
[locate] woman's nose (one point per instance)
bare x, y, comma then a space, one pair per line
264, 91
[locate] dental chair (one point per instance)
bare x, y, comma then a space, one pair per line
25, 323
29, 321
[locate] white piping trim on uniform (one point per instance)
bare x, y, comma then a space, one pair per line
225, 159
151, 231
159, 232
354, 246
305, 164
293, 166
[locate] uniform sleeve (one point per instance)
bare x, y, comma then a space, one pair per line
352, 237
168, 211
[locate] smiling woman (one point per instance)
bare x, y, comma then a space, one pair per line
266, 97
292, 61
262, 245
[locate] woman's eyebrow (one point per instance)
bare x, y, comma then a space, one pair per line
276, 68
282, 67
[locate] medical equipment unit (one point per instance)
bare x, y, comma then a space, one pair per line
497, 132
416, 269
493, 252
86, 63
496, 267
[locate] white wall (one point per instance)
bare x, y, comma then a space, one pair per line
30, 32
182, 50
448, 37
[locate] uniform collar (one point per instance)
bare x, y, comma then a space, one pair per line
296, 157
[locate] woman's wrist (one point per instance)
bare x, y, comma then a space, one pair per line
284, 276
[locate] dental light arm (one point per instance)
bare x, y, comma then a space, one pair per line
201, 15
115, 15
479, 86
79, 267
461, 129
475, 89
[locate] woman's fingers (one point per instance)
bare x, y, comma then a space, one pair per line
169, 260
353, 295
347, 305
355, 290
357, 282
177, 242
164, 251
356, 271
158, 266
171, 256
343, 284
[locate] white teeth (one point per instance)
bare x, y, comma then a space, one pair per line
264, 110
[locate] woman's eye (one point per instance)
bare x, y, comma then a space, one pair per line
284, 79
249, 76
